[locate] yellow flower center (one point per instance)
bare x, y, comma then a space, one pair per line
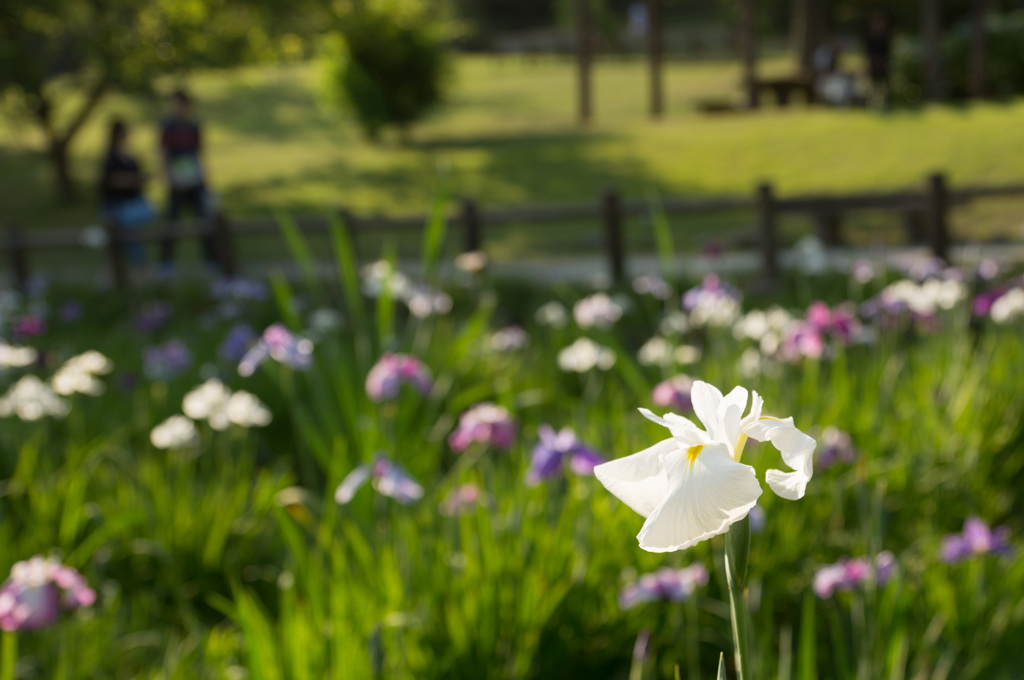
692, 452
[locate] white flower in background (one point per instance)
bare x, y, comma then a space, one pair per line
17, 357
78, 374
552, 314
750, 363
655, 352
246, 410
925, 299
692, 486
509, 339
424, 302
585, 355
380, 276
1008, 306
31, 399
674, 322
811, 257
174, 433
597, 311
323, 321
687, 354
473, 262
653, 285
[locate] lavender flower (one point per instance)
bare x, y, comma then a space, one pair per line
553, 449
163, 362
836, 447
674, 393
388, 477
70, 311
37, 591
486, 423
975, 539
153, 316
392, 371
237, 342
281, 345
847, 574
29, 326
673, 585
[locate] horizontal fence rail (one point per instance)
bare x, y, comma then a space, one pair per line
925, 213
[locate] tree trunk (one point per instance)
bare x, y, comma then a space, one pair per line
657, 57
583, 59
61, 163
748, 49
979, 49
931, 28
804, 36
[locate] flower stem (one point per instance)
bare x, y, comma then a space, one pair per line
8, 656
737, 548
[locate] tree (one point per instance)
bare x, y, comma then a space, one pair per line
59, 58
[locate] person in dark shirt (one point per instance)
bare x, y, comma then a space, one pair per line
181, 149
121, 183
878, 47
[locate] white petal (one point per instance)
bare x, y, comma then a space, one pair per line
352, 483
797, 451
683, 430
705, 399
638, 480
756, 404
704, 499
729, 414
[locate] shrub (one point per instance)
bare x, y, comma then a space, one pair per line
388, 63
1004, 66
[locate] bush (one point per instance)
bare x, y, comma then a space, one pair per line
1004, 68
388, 63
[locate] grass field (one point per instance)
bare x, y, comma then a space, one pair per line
508, 136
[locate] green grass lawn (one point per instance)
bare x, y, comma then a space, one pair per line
508, 136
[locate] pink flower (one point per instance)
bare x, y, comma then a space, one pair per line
847, 573
674, 585
674, 393
486, 423
37, 591
388, 375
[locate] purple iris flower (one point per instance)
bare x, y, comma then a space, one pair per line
30, 326
37, 591
163, 362
674, 393
237, 342
281, 345
70, 311
486, 423
975, 539
982, 304
550, 454
758, 519
388, 477
392, 371
847, 573
673, 585
153, 316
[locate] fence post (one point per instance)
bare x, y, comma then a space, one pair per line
936, 218
767, 230
472, 225
829, 227
225, 246
611, 209
115, 252
19, 256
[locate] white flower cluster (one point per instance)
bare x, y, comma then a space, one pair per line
584, 355
597, 311
765, 327
31, 399
17, 357
216, 404
925, 298
1009, 306
659, 351
552, 314
78, 374
174, 433
421, 300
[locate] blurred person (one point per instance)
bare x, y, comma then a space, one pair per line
181, 148
878, 48
121, 183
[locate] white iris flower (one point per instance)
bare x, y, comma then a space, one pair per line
693, 486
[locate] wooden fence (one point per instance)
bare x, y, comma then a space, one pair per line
925, 213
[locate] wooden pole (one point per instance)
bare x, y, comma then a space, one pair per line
656, 45
115, 253
583, 59
766, 217
611, 207
936, 219
931, 29
804, 35
472, 226
976, 72
19, 256
225, 246
748, 50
